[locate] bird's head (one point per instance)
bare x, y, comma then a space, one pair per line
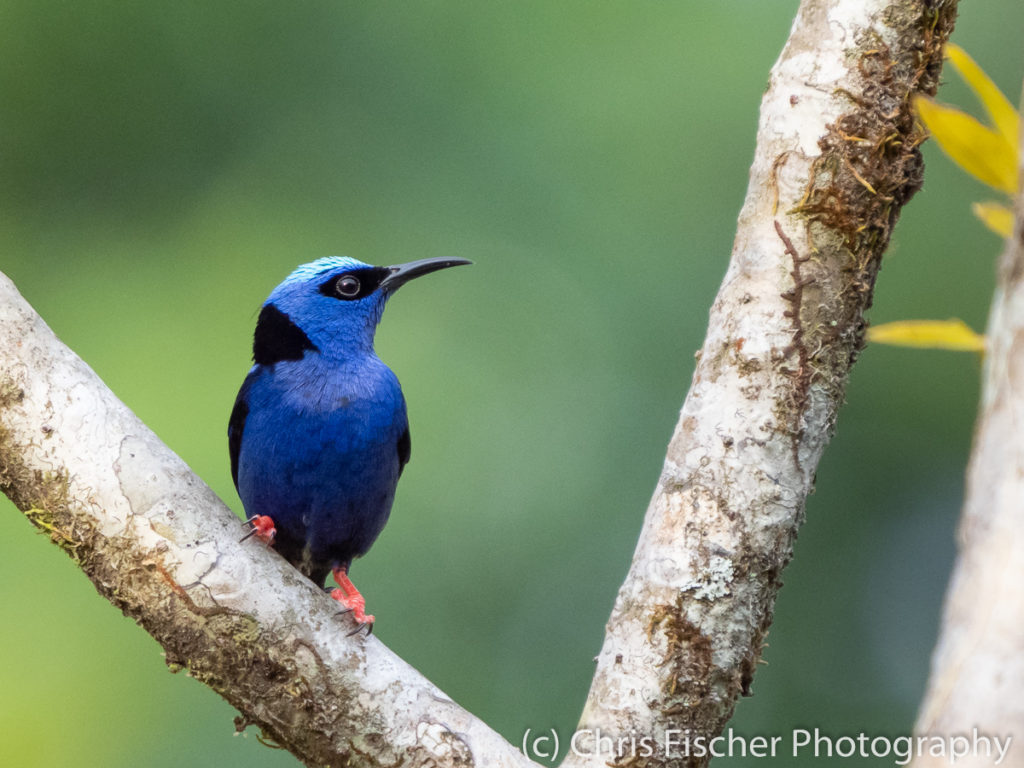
332, 305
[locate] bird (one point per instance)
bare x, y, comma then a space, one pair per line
318, 435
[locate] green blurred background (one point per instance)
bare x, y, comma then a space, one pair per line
163, 166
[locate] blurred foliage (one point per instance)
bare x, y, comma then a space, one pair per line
163, 166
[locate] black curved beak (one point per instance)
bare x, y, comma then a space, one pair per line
403, 273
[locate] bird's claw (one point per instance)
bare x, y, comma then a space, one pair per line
359, 628
366, 622
353, 602
262, 527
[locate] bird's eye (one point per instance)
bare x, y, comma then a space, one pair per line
347, 286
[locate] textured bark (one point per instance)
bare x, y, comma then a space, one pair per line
977, 678
836, 159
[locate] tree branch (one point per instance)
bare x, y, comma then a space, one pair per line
163, 548
978, 667
837, 157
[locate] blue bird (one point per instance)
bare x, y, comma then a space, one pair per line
318, 435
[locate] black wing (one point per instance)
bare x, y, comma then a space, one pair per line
236, 424
404, 450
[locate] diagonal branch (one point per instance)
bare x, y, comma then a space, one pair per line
163, 548
837, 157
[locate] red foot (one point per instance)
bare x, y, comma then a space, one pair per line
349, 596
262, 528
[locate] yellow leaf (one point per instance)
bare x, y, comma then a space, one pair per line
995, 216
1004, 117
928, 334
981, 151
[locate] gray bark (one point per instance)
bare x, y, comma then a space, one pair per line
977, 675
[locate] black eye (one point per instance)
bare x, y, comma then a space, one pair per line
354, 284
347, 286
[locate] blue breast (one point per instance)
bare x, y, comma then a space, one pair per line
320, 453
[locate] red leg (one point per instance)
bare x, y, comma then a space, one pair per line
262, 528
349, 596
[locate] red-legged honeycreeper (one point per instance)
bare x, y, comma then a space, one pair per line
318, 435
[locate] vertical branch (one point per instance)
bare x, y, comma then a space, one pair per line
977, 674
837, 157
